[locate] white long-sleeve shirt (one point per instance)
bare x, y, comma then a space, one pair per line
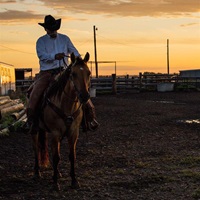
48, 47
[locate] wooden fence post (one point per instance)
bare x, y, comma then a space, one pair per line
140, 79
114, 85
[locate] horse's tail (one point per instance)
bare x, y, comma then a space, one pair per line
43, 149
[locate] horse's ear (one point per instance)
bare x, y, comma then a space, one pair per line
73, 58
87, 57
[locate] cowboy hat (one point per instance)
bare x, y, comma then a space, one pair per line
51, 23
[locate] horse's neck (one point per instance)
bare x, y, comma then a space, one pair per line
69, 101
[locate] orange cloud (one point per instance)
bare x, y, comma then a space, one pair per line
134, 8
189, 24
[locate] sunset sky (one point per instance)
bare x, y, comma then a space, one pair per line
133, 33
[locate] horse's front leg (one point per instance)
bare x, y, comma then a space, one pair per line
56, 158
72, 159
36, 154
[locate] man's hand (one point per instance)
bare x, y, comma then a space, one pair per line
59, 56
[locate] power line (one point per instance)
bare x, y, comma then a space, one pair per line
85, 42
129, 45
16, 50
113, 41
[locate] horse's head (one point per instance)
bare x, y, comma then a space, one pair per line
80, 77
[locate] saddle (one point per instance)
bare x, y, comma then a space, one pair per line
45, 101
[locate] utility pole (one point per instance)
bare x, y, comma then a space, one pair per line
168, 56
95, 51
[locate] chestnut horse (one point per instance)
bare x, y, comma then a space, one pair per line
61, 116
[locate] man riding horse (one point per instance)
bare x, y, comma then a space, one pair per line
52, 49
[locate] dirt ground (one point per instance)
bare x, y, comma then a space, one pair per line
144, 150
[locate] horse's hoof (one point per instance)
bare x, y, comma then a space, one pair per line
75, 185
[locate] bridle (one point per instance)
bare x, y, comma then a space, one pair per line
68, 119
78, 93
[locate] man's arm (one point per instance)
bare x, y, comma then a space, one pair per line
72, 48
41, 52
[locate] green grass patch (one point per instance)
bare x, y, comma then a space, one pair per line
141, 164
196, 194
16, 127
141, 182
6, 121
190, 160
191, 174
9, 122
119, 171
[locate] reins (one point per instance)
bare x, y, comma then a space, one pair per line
64, 61
65, 64
70, 77
68, 119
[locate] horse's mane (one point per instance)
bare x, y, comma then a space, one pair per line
59, 84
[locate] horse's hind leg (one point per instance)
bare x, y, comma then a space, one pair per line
36, 153
56, 158
72, 158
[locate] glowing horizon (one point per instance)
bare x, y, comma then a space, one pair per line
132, 33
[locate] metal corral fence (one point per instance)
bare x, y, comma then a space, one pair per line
144, 82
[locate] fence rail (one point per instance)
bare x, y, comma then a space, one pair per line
143, 82
128, 84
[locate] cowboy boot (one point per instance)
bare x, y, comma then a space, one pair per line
30, 125
89, 119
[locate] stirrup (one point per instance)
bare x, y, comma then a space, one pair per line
30, 128
26, 127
